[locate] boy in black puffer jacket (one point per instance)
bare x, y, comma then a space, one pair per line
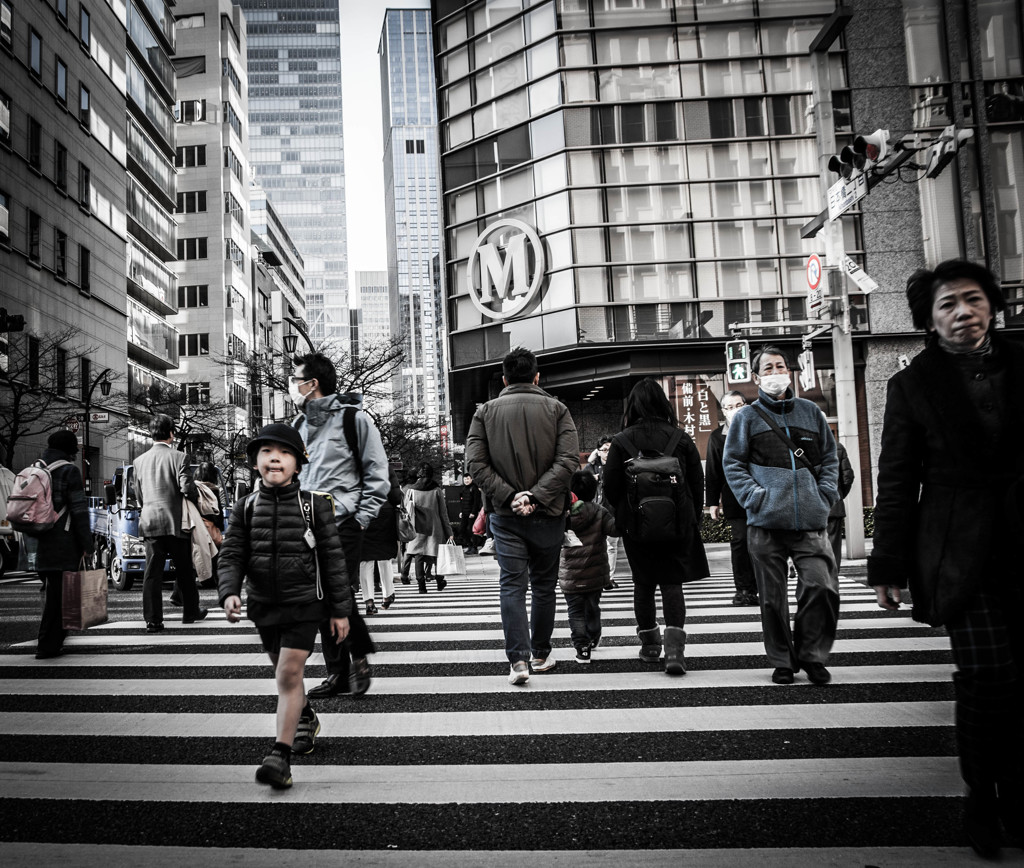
284, 542
583, 571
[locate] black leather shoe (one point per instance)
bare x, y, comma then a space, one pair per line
359, 679
48, 654
198, 616
981, 823
388, 600
782, 675
441, 583
816, 672
331, 686
155, 627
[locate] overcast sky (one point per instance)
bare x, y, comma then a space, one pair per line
361, 23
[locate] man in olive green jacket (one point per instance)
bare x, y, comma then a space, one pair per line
522, 450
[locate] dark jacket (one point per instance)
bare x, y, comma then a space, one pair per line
269, 551
470, 503
942, 487
718, 490
778, 491
584, 569
62, 547
846, 480
380, 539
523, 440
669, 563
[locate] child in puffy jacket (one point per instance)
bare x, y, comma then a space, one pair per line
583, 570
283, 541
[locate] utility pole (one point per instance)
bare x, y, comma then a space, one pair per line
842, 338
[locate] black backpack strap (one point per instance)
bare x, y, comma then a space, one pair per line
627, 444
673, 442
785, 438
348, 422
247, 509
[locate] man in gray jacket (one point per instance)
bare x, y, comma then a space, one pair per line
522, 450
161, 479
346, 460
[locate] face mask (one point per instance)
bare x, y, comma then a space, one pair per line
775, 384
730, 415
297, 397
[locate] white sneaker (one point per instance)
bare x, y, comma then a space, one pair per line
519, 673
538, 664
488, 547
570, 540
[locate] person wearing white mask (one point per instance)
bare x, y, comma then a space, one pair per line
780, 462
722, 503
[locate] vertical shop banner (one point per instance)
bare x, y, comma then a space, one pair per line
695, 406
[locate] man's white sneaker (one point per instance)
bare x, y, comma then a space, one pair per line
519, 673
488, 547
570, 540
538, 664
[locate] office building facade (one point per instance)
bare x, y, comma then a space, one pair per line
297, 146
623, 182
412, 209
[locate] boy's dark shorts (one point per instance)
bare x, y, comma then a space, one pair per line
296, 634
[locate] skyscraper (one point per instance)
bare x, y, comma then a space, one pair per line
412, 218
296, 143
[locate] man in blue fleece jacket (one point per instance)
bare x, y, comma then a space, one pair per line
787, 507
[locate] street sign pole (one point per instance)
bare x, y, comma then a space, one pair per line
842, 340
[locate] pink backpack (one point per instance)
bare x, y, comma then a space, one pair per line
30, 503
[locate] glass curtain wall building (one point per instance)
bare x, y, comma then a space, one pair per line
411, 207
296, 143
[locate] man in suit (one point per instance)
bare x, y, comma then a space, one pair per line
161, 479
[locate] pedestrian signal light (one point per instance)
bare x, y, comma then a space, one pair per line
737, 351
738, 372
737, 361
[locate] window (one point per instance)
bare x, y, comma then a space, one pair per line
60, 167
195, 393
191, 248
232, 162
62, 10
5, 23
5, 217
194, 344
5, 119
232, 119
60, 371
236, 346
85, 377
83, 105
60, 253
83, 27
189, 111
194, 296
84, 186
190, 22
190, 203
33, 361
189, 156
60, 84
231, 75
35, 224
35, 144
35, 53
233, 252
239, 396
234, 208
84, 282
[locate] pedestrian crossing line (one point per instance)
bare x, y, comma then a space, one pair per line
756, 718
432, 685
833, 778
17, 855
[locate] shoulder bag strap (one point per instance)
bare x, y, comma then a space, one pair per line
308, 517
785, 438
348, 422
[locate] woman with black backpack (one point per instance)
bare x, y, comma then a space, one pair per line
654, 482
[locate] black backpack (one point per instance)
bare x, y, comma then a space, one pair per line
658, 501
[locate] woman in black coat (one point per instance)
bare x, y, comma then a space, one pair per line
649, 424
951, 451
65, 544
380, 545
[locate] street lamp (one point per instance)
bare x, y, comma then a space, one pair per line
291, 341
104, 384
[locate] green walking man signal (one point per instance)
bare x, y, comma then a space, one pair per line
737, 361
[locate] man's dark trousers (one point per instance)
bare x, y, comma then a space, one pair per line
179, 550
358, 643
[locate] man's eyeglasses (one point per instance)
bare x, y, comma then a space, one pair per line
298, 381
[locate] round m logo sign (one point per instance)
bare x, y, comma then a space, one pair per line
506, 267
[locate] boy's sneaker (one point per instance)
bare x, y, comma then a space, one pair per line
583, 654
275, 771
543, 664
570, 540
488, 547
306, 733
519, 673
595, 642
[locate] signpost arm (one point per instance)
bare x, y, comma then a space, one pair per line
842, 340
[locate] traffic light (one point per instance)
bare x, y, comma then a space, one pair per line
14, 323
873, 149
942, 152
737, 361
844, 164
